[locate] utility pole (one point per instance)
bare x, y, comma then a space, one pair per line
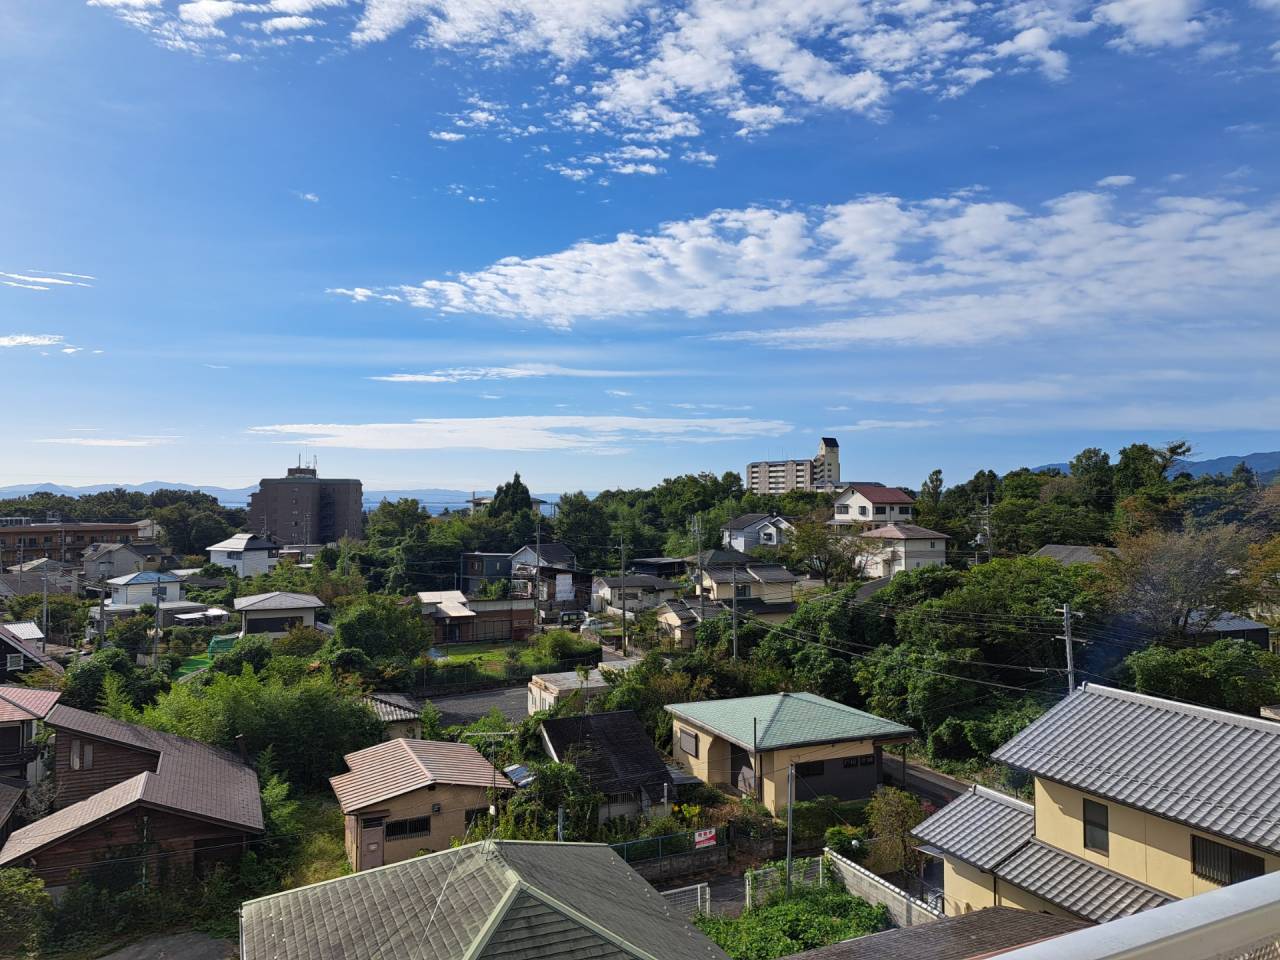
697, 545
44, 606
537, 570
622, 546
735, 611
791, 803
560, 824
1067, 614
983, 516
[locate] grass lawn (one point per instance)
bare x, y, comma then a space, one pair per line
478, 653
192, 664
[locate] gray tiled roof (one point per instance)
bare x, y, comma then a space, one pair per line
509, 899
392, 707
981, 827
646, 581
746, 520
1209, 769
611, 750
1076, 885
279, 600
968, 935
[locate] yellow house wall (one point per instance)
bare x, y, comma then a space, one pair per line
772, 767
965, 888
1007, 895
712, 763
450, 822
1144, 847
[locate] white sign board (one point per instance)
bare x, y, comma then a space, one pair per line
564, 586
704, 838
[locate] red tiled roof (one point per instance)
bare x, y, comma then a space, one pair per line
25, 703
882, 494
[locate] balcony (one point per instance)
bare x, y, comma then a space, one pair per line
21, 757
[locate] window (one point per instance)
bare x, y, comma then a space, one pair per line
1223, 864
371, 823
1096, 837
86, 756
742, 591
404, 829
879, 511
75, 754
689, 742
933, 544
813, 768
842, 509
13, 662
905, 511
862, 511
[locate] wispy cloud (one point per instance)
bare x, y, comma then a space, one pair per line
862, 425
948, 270
1117, 180
309, 197
520, 371
530, 433
44, 280
448, 136
619, 393
30, 340
111, 441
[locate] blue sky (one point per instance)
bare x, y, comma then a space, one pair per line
604, 242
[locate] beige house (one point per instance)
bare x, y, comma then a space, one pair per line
276, 613
403, 797
750, 745
548, 689
865, 506
902, 546
1138, 801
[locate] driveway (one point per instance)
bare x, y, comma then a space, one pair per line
177, 946
463, 708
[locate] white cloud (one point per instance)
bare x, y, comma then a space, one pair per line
1152, 23
699, 156
958, 269
361, 294
44, 280
110, 441
862, 425
520, 371
278, 24
619, 393
30, 340
1035, 46
1118, 180
448, 136
309, 197
528, 433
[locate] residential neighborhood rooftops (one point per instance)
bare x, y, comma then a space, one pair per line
777, 720
878, 494
279, 600
758, 571
392, 707
964, 937
10, 794
1085, 889
645, 581
508, 899
746, 520
440, 596
1209, 769
29, 648
245, 542
981, 827
612, 750
1067, 553
398, 766
551, 553
25, 703
24, 630
568, 680
904, 531
190, 778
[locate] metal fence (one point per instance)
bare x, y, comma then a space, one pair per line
690, 901
669, 845
764, 882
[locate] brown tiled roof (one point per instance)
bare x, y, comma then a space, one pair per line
25, 703
190, 777
22, 843
10, 794
904, 531
877, 494
400, 766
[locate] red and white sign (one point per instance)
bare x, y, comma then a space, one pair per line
704, 838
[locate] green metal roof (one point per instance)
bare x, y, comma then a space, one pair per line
778, 720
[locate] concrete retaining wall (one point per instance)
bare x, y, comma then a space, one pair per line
905, 909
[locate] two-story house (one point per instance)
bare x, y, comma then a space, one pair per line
481, 569
764, 589
643, 591
145, 586
20, 651
865, 506
21, 710
902, 546
103, 561
126, 787
753, 530
248, 554
1138, 801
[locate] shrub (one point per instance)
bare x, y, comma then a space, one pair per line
849, 842
811, 918
812, 817
24, 910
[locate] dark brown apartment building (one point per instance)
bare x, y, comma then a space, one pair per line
22, 539
303, 508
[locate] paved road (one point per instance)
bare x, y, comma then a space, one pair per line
177, 946
512, 703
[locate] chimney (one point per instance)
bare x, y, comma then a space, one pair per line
244, 751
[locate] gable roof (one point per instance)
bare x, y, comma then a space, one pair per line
552, 553
720, 557
878, 494
777, 720
746, 520
980, 827
904, 531
645, 581
243, 542
95, 550
400, 766
29, 649
1067, 553
612, 750
391, 706
279, 600
190, 778
145, 576
27, 630
25, 703
1209, 769
964, 937
505, 898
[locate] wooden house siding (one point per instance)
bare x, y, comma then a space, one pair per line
112, 763
176, 844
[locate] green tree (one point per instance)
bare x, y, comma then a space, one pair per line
1230, 674
891, 816
84, 682
581, 524
381, 626
391, 521
1092, 470
132, 634
24, 911
511, 498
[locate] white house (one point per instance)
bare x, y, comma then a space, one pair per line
755, 530
246, 553
865, 506
277, 612
145, 586
903, 546
643, 591
548, 689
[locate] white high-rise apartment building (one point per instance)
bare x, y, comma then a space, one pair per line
782, 476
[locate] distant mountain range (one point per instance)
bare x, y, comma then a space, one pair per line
436, 499
1265, 465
